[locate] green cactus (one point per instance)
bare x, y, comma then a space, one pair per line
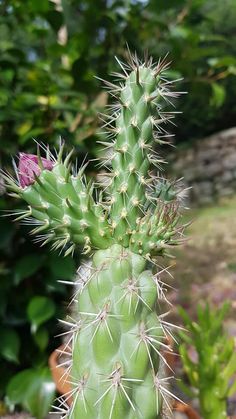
117, 335
211, 374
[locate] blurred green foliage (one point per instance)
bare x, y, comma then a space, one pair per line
50, 52
34, 390
209, 360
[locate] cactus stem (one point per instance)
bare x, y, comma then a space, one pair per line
100, 317
131, 289
152, 98
143, 144
83, 224
116, 381
104, 394
135, 202
74, 328
126, 105
151, 343
36, 178
68, 172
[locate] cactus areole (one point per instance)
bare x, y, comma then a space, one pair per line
117, 336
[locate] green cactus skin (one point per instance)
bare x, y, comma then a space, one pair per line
122, 335
117, 336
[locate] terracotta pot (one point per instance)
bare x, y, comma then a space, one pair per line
59, 374
187, 410
170, 357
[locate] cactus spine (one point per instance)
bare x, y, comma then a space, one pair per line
117, 336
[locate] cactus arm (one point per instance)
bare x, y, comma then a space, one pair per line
64, 209
156, 231
132, 155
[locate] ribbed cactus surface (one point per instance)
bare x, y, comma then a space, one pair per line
117, 334
123, 338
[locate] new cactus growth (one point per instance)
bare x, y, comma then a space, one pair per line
118, 336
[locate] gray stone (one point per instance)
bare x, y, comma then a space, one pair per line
209, 166
227, 176
206, 155
226, 191
230, 161
189, 174
211, 170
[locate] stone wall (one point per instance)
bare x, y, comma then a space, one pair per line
208, 166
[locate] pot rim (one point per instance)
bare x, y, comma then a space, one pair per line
187, 409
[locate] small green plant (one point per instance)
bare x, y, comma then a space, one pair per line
118, 334
211, 371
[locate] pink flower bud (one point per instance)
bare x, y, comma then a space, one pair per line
28, 167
